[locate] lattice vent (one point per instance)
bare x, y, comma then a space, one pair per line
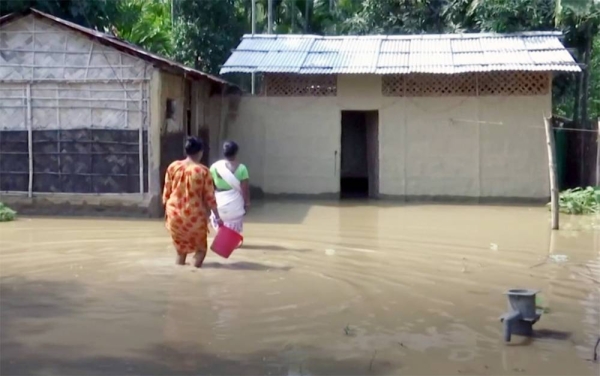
439, 85
429, 85
485, 84
299, 85
392, 86
514, 83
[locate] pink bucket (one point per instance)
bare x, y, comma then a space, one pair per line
226, 242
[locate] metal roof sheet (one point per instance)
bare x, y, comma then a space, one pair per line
319, 60
380, 54
390, 60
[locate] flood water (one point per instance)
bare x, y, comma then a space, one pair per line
322, 289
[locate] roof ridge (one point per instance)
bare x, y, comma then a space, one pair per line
522, 34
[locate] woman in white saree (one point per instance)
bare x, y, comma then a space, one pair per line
232, 188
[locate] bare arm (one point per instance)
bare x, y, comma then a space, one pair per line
246, 191
167, 190
209, 197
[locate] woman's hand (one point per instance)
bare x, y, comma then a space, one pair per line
217, 217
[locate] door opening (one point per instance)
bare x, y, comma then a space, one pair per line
359, 172
204, 135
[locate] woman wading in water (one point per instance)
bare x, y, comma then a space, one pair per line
232, 183
187, 194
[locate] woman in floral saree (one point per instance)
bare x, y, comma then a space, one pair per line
187, 195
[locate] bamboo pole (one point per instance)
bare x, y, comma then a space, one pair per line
598, 154
552, 171
140, 137
585, 178
29, 141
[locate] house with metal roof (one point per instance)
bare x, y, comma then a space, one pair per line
88, 120
412, 116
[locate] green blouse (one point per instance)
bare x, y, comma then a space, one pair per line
241, 173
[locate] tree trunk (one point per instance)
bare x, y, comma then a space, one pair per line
306, 15
292, 18
247, 17
270, 17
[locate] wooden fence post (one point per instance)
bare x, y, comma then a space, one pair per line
29, 141
598, 154
552, 171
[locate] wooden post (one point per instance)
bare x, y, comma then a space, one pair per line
140, 134
598, 154
584, 170
552, 171
29, 142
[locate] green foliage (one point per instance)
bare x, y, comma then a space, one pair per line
205, 32
579, 8
564, 88
6, 213
580, 201
595, 80
506, 16
539, 305
146, 23
90, 13
399, 17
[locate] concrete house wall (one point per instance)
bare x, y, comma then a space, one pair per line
472, 147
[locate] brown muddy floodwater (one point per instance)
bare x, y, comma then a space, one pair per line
323, 289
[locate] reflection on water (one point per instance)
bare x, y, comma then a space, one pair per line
319, 289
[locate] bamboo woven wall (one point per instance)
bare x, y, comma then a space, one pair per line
77, 161
73, 113
36, 49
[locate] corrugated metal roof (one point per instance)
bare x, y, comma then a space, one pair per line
380, 54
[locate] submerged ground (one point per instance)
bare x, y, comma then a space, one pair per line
324, 289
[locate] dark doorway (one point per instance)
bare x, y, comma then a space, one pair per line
359, 173
204, 135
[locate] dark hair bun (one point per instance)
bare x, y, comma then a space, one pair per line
230, 149
193, 146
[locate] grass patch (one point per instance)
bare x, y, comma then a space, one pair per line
539, 304
6, 213
580, 201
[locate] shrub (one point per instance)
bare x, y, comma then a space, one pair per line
580, 201
6, 213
